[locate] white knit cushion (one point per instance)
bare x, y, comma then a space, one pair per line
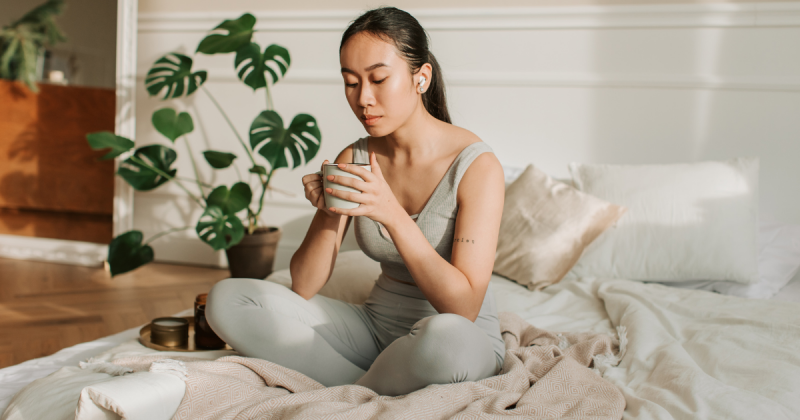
690, 221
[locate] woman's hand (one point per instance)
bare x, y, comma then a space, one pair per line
312, 185
377, 199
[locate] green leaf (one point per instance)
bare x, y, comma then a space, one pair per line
171, 124
219, 229
173, 72
275, 60
218, 160
239, 33
126, 252
107, 139
270, 139
143, 178
258, 169
233, 200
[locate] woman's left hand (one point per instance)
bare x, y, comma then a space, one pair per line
377, 199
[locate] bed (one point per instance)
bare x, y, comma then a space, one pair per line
686, 350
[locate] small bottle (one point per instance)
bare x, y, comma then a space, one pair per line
204, 336
199, 300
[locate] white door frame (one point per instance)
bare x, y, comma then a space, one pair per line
88, 253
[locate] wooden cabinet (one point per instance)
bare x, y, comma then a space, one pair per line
51, 183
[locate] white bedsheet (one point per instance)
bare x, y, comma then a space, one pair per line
691, 353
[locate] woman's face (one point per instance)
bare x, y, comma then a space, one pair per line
378, 84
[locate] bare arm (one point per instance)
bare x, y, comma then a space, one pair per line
312, 264
459, 286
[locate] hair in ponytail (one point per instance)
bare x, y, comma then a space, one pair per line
410, 39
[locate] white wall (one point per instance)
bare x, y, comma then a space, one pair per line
543, 85
160, 6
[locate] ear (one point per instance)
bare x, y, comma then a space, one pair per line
425, 71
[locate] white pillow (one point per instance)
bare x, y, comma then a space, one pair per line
351, 281
778, 262
691, 221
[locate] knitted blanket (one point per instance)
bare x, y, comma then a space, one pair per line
545, 375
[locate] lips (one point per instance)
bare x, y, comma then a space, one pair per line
370, 119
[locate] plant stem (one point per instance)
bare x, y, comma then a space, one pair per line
183, 178
194, 166
270, 105
166, 175
251, 221
224, 115
166, 232
263, 191
239, 174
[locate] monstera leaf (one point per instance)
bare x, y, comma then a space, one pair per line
106, 139
218, 160
230, 201
173, 72
275, 60
219, 229
270, 139
239, 33
258, 169
171, 124
126, 252
143, 178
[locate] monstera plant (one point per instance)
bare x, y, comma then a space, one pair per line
230, 217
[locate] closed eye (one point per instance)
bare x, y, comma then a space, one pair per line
377, 82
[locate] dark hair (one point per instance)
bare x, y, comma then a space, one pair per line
411, 41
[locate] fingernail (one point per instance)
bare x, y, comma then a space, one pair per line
342, 165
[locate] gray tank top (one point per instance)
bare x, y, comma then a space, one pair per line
437, 219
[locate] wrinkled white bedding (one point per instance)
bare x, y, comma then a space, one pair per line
691, 354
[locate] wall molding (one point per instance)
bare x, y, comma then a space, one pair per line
534, 79
570, 17
125, 124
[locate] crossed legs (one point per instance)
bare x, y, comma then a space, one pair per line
331, 341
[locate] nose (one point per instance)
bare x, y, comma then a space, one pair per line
365, 96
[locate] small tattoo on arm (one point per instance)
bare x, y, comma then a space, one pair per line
465, 240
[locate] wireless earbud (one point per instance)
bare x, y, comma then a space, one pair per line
422, 81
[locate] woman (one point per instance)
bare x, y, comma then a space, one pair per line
430, 213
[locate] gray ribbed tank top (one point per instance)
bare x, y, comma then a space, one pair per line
437, 219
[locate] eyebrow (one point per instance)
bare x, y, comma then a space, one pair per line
370, 68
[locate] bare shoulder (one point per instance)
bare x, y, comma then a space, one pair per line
484, 175
346, 155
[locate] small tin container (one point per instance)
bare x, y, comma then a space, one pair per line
170, 332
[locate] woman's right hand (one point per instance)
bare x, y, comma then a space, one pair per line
312, 185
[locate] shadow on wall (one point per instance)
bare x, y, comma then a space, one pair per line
641, 125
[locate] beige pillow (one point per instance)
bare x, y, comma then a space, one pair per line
546, 225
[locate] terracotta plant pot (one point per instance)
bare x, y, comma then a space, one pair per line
254, 256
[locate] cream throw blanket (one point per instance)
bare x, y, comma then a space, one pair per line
544, 375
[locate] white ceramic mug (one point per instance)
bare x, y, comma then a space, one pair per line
333, 169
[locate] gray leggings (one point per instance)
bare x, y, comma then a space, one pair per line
395, 343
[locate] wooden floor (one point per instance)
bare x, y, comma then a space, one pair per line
45, 307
